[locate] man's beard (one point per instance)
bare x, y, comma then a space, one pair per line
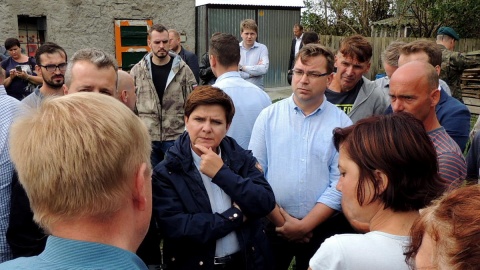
161, 55
53, 84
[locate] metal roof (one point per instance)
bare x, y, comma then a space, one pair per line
273, 3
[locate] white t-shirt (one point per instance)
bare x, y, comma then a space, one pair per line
371, 251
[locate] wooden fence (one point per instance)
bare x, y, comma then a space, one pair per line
380, 43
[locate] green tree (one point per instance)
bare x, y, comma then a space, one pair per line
429, 15
342, 17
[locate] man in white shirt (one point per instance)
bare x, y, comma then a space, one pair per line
249, 100
253, 55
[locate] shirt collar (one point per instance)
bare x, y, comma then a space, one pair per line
229, 74
297, 109
2, 90
300, 38
255, 45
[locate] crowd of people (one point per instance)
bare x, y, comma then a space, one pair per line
178, 164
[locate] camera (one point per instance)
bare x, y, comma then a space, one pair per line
18, 68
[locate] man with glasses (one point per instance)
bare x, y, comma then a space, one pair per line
51, 64
292, 140
349, 90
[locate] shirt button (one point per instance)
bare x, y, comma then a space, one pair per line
235, 215
200, 263
173, 259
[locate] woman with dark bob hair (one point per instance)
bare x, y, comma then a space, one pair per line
388, 171
447, 234
210, 194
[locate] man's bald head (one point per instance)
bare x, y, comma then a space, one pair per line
418, 71
126, 89
414, 89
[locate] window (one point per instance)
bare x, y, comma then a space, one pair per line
131, 41
31, 33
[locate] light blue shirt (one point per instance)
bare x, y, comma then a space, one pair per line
255, 63
249, 101
8, 108
220, 202
297, 154
64, 254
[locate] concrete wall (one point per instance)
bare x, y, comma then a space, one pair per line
76, 24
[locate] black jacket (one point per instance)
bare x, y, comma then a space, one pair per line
184, 214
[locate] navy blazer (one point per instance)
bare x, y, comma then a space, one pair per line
184, 215
192, 61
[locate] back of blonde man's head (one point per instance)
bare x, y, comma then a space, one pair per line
76, 155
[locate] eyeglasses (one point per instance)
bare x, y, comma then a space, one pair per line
311, 75
52, 68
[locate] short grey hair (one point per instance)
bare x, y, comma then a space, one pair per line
391, 54
95, 56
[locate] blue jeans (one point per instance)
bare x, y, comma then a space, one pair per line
159, 148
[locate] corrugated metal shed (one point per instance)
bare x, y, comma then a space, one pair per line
276, 3
275, 25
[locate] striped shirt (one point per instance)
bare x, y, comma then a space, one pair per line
64, 254
8, 108
451, 163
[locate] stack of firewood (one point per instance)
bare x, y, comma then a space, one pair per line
471, 82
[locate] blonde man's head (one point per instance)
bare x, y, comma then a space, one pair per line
76, 156
248, 24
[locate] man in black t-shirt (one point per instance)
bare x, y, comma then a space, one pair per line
357, 96
162, 81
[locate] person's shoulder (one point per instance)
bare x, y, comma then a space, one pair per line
443, 142
23, 263
189, 53
453, 104
260, 45
336, 113
5, 63
9, 102
281, 107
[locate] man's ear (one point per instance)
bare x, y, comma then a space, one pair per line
330, 78
369, 64
435, 96
38, 70
213, 60
124, 96
65, 89
140, 191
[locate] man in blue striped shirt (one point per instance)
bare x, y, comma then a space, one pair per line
292, 140
89, 187
8, 108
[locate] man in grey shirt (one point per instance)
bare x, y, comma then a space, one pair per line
51, 65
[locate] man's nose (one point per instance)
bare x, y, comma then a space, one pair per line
397, 106
349, 70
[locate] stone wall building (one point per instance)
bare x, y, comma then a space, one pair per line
76, 24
